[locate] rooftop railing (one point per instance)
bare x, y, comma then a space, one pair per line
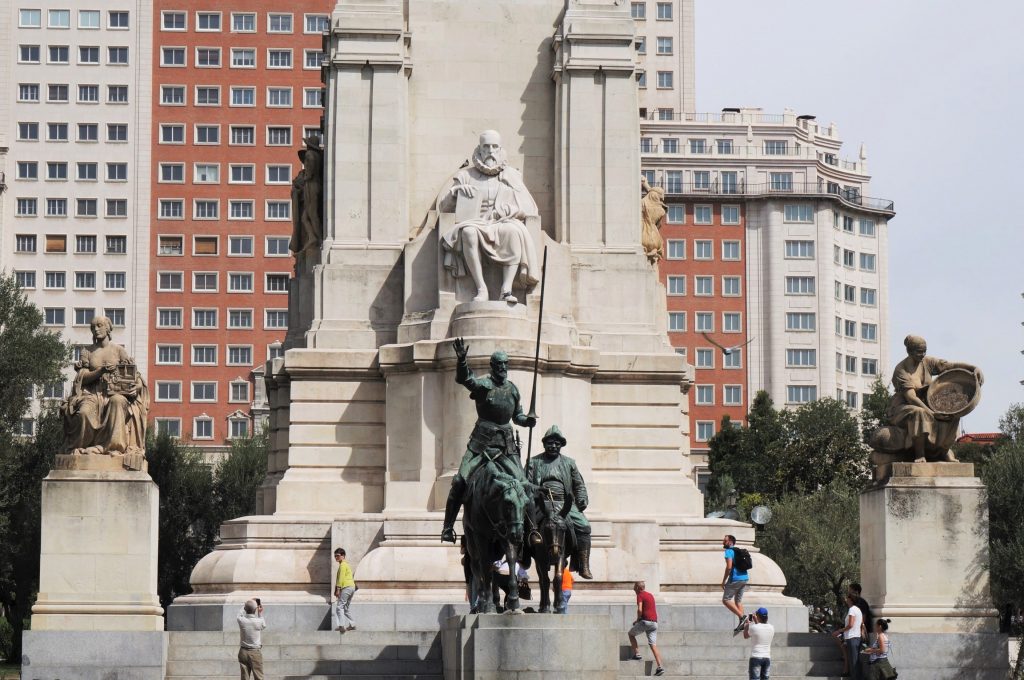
742, 189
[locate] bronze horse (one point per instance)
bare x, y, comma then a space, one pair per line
493, 523
553, 552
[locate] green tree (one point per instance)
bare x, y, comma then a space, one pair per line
1011, 424
239, 475
872, 414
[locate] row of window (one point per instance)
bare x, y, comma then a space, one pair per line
850, 259
59, 93
849, 364
58, 171
732, 395
209, 209
664, 45
82, 316
238, 173
84, 244
88, 55
201, 391
61, 18
727, 182
666, 79
202, 427
638, 11
732, 322
850, 225
242, 22
57, 280
704, 357
847, 328
209, 282
240, 57
206, 355
204, 318
58, 207
241, 135
703, 214
28, 131
703, 249
242, 96
722, 147
238, 246
848, 293
704, 285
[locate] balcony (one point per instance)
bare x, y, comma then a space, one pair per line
742, 189
743, 117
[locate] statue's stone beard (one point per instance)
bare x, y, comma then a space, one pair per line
479, 162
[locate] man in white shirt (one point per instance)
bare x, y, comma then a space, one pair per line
761, 633
850, 634
250, 652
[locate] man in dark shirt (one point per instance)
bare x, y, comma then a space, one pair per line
646, 623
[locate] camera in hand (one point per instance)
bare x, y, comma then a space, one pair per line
259, 603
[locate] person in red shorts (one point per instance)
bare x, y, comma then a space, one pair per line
646, 623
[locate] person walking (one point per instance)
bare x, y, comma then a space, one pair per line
762, 633
344, 589
879, 666
647, 624
566, 589
250, 650
851, 636
734, 582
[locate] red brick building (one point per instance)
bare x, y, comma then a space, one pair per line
236, 88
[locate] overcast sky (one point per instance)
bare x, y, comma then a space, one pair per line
935, 91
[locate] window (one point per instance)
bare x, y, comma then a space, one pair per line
801, 358
168, 317
56, 280
664, 11
28, 54
647, 144
25, 279
317, 23
677, 321
172, 172
53, 316
85, 280
698, 146
239, 318
168, 390
705, 322
867, 262
280, 97
731, 250
28, 92
116, 245
204, 282
204, 355
206, 173
276, 318
732, 322
88, 55
798, 213
240, 355
30, 18
279, 210
172, 56
169, 426
800, 321
705, 428
25, 243
204, 209
172, 134
208, 57
86, 207
117, 172
869, 332
676, 214
117, 20
677, 285
54, 390
776, 147
28, 132
30, 169
243, 22
207, 95
731, 286
240, 210
849, 293
730, 214
724, 146
704, 285
117, 55
172, 95
701, 213
170, 281
313, 59
59, 18
279, 58
173, 21
638, 10
799, 285
275, 351
88, 94
168, 354
243, 57
665, 80
116, 316
84, 315
849, 258
641, 81
277, 246
867, 228
279, 23
868, 297
669, 145
869, 366
664, 45
705, 358
850, 328
56, 207
207, 21
117, 94
239, 426
243, 135
851, 364
27, 207
240, 246
732, 395
801, 394
114, 281
88, 132
702, 250
848, 224
239, 392
279, 136
204, 318
56, 170
240, 282
172, 209
279, 174
705, 395
780, 181
277, 283
243, 96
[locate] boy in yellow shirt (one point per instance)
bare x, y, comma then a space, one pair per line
344, 589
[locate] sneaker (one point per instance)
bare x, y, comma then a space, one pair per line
739, 627
636, 657
659, 671
351, 628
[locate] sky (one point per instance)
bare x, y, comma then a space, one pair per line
935, 91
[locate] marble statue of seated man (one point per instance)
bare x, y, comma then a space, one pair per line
491, 204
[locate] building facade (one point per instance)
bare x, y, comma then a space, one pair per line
665, 57
76, 80
236, 91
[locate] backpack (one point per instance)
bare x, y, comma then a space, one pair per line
741, 559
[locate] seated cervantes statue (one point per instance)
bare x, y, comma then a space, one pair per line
924, 414
491, 204
106, 411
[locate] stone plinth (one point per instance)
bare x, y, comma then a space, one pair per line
924, 549
506, 647
98, 561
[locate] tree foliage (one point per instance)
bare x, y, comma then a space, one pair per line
874, 406
239, 475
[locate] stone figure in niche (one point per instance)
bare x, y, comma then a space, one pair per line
106, 412
652, 217
492, 439
924, 414
491, 204
307, 198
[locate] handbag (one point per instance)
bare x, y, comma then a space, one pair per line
524, 591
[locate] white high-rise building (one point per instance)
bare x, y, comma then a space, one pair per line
76, 81
665, 53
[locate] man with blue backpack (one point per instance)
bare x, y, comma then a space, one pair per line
734, 581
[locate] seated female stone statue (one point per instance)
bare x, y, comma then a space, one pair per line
106, 412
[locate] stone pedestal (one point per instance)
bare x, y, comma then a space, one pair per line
97, 609
507, 647
924, 549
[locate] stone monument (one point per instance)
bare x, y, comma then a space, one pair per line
98, 562
432, 225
